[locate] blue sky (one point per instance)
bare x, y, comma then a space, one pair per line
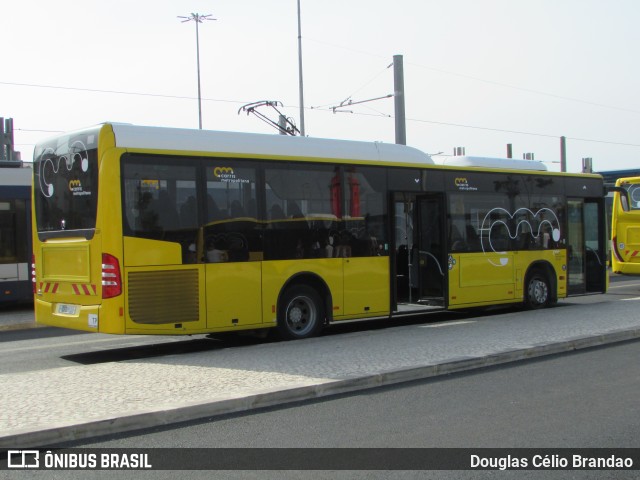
478, 74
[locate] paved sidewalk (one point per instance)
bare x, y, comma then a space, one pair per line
46, 407
17, 317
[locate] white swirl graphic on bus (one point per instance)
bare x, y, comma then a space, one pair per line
548, 229
50, 166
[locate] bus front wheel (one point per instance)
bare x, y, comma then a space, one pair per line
538, 293
301, 313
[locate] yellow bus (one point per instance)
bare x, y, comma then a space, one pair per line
148, 230
625, 226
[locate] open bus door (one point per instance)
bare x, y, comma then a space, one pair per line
586, 249
419, 250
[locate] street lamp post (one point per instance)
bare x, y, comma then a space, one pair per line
197, 18
300, 73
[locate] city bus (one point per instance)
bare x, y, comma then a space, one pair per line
625, 226
152, 230
15, 232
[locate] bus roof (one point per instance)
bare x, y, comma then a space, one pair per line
177, 139
488, 162
20, 176
624, 180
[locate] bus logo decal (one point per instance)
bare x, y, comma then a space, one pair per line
221, 171
462, 183
75, 187
226, 174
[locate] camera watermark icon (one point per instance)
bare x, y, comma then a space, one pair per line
23, 459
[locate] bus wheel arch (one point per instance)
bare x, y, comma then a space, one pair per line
540, 286
304, 304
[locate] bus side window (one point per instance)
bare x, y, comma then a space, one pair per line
457, 241
166, 208
189, 213
473, 239
276, 212
147, 220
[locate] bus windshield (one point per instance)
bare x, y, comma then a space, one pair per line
66, 186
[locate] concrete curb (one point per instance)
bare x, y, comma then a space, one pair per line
56, 434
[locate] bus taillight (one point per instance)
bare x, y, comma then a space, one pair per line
33, 273
111, 279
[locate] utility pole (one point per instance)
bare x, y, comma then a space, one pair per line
197, 18
398, 94
563, 154
8, 156
300, 73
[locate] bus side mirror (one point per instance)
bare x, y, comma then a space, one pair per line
623, 195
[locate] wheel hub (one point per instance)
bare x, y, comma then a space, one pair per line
539, 290
295, 315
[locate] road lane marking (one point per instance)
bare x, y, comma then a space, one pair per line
624, 285
67, 344
448, 324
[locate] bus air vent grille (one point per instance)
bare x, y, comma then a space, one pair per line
163, 296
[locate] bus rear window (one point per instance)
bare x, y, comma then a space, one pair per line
66, 187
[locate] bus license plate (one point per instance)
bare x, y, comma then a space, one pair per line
66, 309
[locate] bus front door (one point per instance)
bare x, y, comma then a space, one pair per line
585, 250
419, 250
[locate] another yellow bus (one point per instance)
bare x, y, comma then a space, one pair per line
146, 230
625, 227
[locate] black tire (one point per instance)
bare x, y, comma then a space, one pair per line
538, 291
300, 313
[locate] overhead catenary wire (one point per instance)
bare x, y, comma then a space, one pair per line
484, 80
349, 97
120, 92
241, 102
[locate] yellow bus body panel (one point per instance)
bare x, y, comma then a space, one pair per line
140, 252
479, 279
234, 295
366, 286
66, 262
629, 238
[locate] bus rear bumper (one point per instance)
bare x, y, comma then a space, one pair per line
75, 317
626, 268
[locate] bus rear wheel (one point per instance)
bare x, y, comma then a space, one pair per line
538, 292
301, 313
